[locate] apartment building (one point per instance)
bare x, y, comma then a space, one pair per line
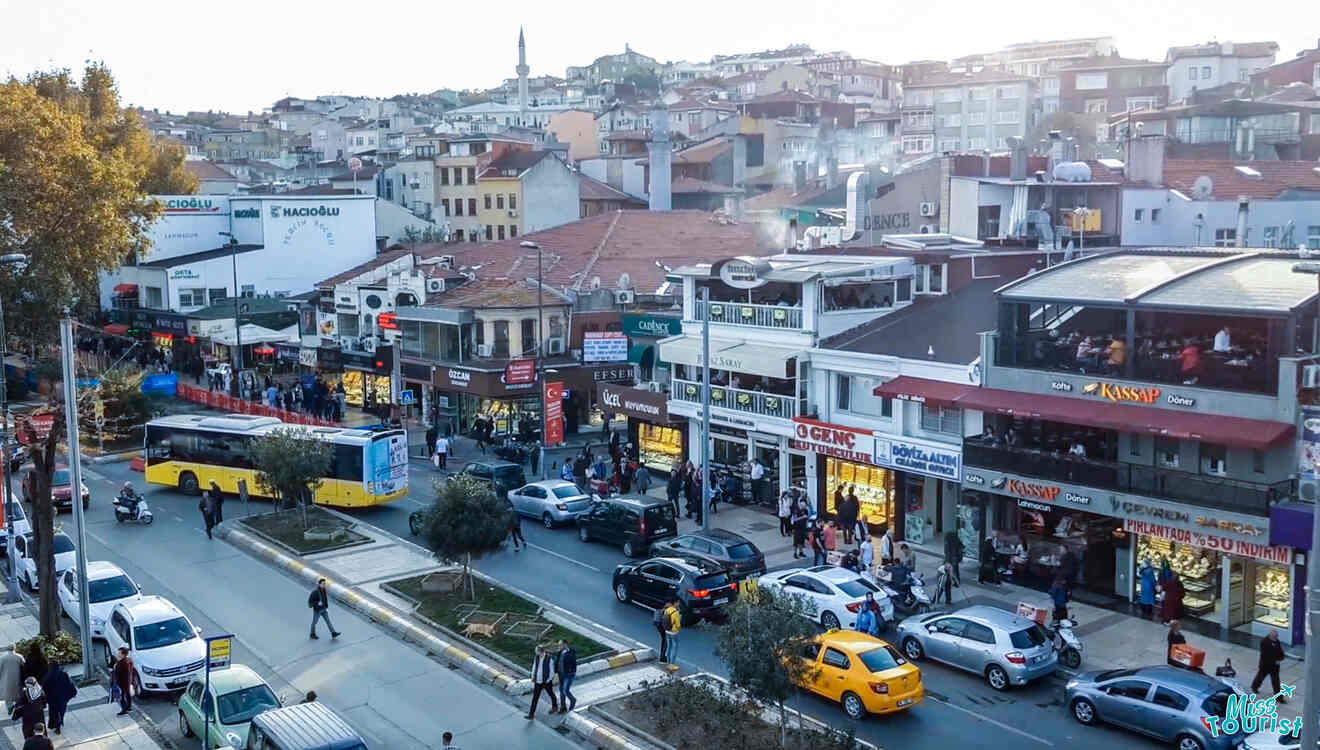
966, 111
1207, 66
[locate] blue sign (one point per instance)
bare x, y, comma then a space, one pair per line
922, 458
387, 470
160, 385
407, 397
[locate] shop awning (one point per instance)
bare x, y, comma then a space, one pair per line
921, 390
737, 356
126, 288
641, 354
255, 334
118, 329
1239, 431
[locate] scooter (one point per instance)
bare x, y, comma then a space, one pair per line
1066, 643
915, 602
134, 509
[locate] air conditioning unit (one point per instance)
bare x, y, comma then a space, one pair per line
1308, 490
435, 285
654, 387
555, 345
930, 229
624, 297
418, 186
485, 350
448, 261
927, 208
513, 213
346, 342
1311, 376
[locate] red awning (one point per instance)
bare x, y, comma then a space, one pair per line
117, 329
126, 288
1239, 431
921, 390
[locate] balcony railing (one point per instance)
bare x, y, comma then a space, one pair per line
747, 314
1151, 481
737, 399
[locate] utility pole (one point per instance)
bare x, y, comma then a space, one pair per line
540, 362
1310, 704
75, 470
705, 410
11, 593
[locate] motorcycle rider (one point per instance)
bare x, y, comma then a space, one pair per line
900, 580
128, 498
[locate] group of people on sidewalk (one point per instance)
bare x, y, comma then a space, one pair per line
559, 662
35, 692
687, 480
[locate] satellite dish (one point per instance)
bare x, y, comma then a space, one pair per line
1203, 187
595, 283
625, 281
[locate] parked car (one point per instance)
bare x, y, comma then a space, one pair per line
236, 695
1272, 740
702, 590
633, 523
1004, 648
1164, 702
837, 593
25, 547
21, 526
554, 501
167, 649
733, 552
864, 674
501, 476
107, 585
304, 726
61, 488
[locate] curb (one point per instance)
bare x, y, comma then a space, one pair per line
597, 735
378, 613
603, 664
114, 458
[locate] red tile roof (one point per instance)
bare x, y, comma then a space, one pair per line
594, 190
1229, 183
629, 135
780, 197
206, 170
687, 104
703, 152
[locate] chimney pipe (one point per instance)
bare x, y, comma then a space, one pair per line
739, 173
799, 176
1244, 204
662, 176
1017, 160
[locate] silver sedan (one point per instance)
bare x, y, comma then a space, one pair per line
554, 501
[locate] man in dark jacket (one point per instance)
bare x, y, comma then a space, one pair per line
39, 740
566, 668
543, 680
847, 509
60, 690
1271, 655
122, 676
319, 602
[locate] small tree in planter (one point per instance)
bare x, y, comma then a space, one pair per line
760, 646
290, 465
466, 521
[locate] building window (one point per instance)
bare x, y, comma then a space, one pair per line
1092, 81
1258, 460
918, 144
843, 392
1008, 117
458, 175
1007, 92
1214, 459
1271, 238
1098, 106
941, 419
155, 300
472, 175
499, 200
1225, 238
444, 203
976, 94
444, 175
948, 144
937, 278
513, 230
214, 296
1205, 72
192, 297
977, 143
458, 206
1313, 237
950, 121
1102, 132
499, 231
975, 118
487, 196
1139, 215
1134, 444
472, 206
1135, 103
1166, 452
472, 235
1191, 72
490, 232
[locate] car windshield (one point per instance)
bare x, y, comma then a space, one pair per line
857, 587
61, 476
882, 658
241, 705
742, 551
711, 581
660, 515
163, 633
109, 589
1028, 638
62, 543
567, 491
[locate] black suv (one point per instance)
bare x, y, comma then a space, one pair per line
634, 523
702, 590
502, 476
726, 549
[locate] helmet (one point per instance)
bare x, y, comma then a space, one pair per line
128, 485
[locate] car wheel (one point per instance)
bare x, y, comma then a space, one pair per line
621, 592
1188, 742
628, 549
829, 621
547, 520
137, 683
1083, 711
414, 525
146, 520
583, 534
997, 677
1070, 658
188, 483
119, 517
184, 728
853, 706
105, 651
912, 649
86, 502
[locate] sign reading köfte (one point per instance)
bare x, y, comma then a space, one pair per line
1210, 540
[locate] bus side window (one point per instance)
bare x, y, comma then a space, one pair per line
347, 462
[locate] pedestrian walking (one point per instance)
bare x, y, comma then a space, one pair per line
515, 530
785, 513
60, 690
207, 508
1271, 655
1059, 595
887, 553
543, 677
1147, 589
757, 474
217, 504
39, 740
846, 511
642, 478
1175, 638
799, 520
566, 668
1171, 607
831, 536
448, 741
319, 602
31, 707
121, 674
673, 623
818, 544
674, 487
11, 677
566, 471
953, 549
987, 572
661, 629
866, 554
441, 452
944, 582
534, 457
863, 529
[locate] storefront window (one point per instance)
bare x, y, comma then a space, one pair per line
874, 487
659, 447
501, 338
1048, 535
1273, 596
1198, 568
506, 417
354, 383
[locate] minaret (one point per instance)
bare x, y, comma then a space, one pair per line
522, 71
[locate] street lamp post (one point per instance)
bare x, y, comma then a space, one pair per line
11, 593
540, 344
705, 410
235, 354
1309, 699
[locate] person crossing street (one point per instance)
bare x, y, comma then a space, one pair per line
1271, 655
319, 602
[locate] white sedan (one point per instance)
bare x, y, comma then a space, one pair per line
838, 593
26, 546
107, 586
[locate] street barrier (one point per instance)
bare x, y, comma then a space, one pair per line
226, 403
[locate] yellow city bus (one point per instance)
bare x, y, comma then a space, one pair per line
367, 466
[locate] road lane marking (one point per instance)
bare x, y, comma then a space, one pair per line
562, 557
999, 724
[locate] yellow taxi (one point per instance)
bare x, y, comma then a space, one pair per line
864, 674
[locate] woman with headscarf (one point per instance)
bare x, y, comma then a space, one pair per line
1171, 607
60, 690
31, 706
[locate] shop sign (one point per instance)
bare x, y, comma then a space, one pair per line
554, 413
838, 441
327, 324
930, 460
973, 479
1031, 489
246, 213
288, 352
184, 273
604, 346
1210, 540
307, 357
170, 324
459, 378
1076, 499
651, 326
190, 204
633, 402
1121, 393
1029, 505
612, 373
729, 419
1061, 385
1308, 449
1245, 529
520, 371
742, 273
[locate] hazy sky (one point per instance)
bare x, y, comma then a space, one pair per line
243, 55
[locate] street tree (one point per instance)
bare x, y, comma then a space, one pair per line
760, 646
467, 521
44, 451
290, 465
